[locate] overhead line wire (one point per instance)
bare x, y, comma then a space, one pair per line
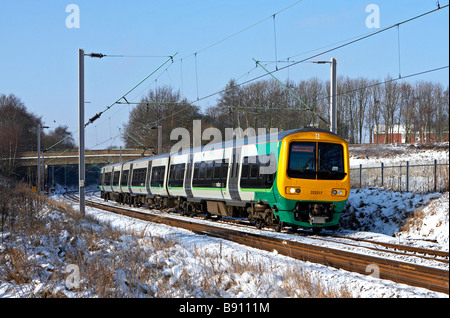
301, 61
366, 36
95, 117
389, 81
223, 40
153, 56
243, 30
344, 93
132, 89
326, 51
289, 65
292, 93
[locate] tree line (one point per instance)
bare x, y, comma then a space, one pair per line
366, 108
18, 133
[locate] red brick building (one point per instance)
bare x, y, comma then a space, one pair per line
399, 136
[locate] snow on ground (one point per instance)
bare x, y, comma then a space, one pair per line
359, 285
376, 210
431, 223
371, 212
382, 211
394, 154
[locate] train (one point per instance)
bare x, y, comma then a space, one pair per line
298, 178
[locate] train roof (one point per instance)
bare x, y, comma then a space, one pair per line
277, 136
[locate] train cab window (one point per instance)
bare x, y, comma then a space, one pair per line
302, 160
311, 160
330, 162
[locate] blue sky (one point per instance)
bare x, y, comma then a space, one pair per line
39, 53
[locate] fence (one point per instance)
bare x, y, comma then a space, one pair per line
423, 178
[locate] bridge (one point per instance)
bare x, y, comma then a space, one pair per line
61, 166
70, 157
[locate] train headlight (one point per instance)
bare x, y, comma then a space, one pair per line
293, 190
339, 192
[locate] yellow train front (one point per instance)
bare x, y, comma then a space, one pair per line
313, 180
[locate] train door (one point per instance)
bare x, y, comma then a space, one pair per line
233, 180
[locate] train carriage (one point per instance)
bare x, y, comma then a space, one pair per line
298, 178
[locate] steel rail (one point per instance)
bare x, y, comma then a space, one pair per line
405, 248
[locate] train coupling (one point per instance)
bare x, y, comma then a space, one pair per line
314, 213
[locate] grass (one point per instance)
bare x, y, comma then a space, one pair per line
41, 237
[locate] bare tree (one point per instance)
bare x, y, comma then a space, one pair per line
425, 109
59, 139
441, 106
389, 106
17, 132
407, 109
364, 107
363, 96
375, 113
230, 103
343, 114
161, 107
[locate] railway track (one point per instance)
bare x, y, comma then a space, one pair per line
431, 278
402, 250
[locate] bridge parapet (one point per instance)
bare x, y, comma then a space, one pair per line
70, 157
